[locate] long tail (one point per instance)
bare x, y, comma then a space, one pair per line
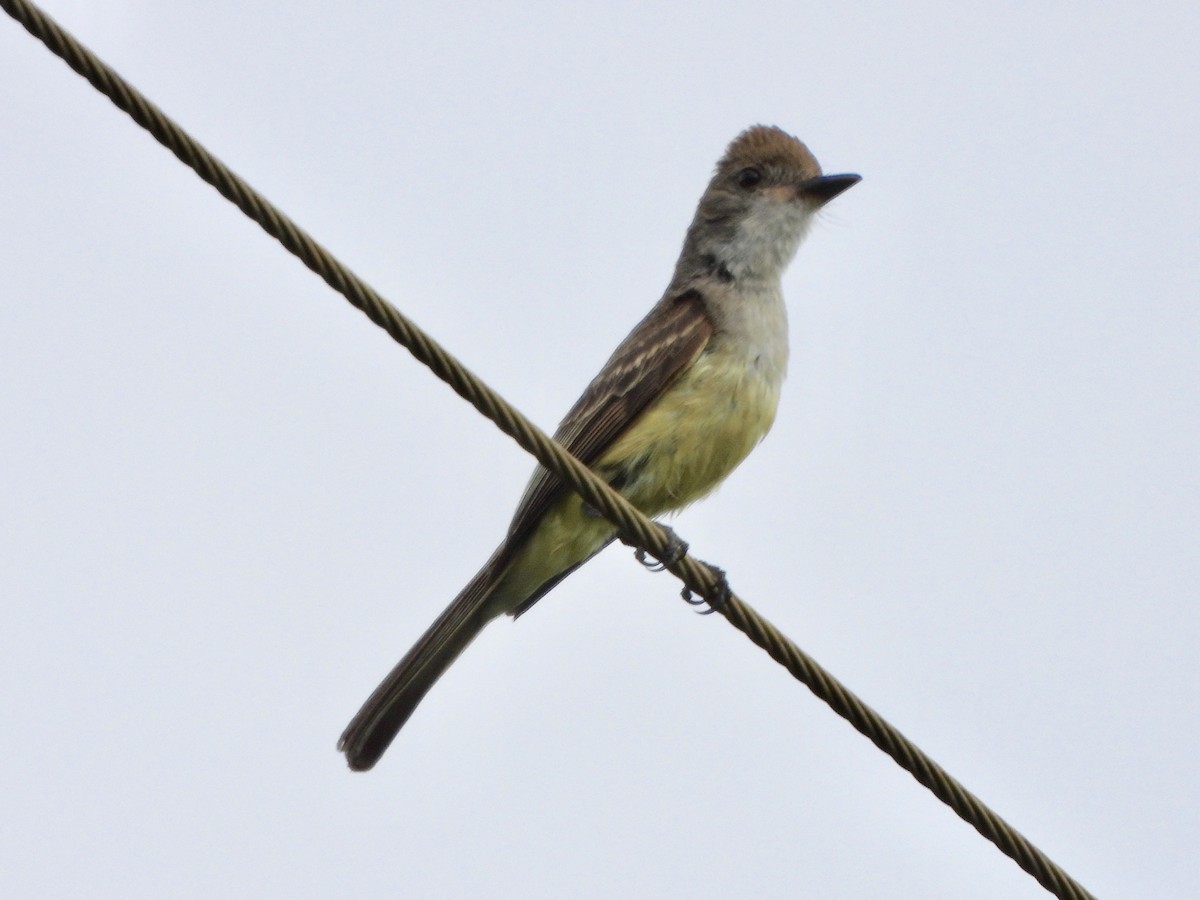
383, 715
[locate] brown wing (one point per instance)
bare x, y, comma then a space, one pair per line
661, 346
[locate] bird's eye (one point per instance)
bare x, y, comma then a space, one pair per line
749, 177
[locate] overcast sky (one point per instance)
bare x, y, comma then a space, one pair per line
230, 503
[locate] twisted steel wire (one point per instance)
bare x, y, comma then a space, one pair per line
635, 527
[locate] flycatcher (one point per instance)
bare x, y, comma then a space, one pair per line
685, 397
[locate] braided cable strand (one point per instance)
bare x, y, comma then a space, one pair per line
903, 752
302, 245
646, 534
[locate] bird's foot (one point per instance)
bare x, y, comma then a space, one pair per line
720, 597
677, 549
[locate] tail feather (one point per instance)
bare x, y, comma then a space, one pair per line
376, 725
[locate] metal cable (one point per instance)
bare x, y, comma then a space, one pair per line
637, 528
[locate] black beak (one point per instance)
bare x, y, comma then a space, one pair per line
822, 189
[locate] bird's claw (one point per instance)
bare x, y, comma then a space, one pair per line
721, 594
677, 549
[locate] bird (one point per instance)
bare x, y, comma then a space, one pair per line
682, 401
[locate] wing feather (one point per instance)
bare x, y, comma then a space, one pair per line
662, 345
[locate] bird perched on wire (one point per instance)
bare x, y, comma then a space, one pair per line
680, 403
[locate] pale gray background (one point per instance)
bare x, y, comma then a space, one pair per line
230, 503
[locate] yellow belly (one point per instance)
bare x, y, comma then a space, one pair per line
703, 427
674, 454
